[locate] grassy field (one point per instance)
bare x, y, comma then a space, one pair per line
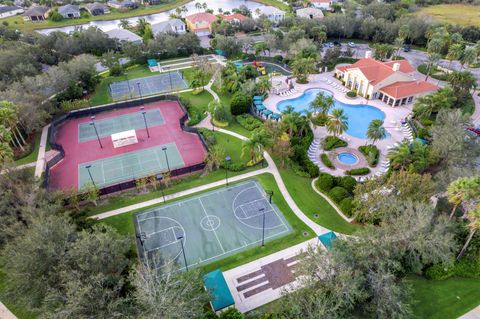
444, 299
124, 224
11, 304
32, 157
461, 14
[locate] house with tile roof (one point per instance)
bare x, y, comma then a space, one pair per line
236, 18
391, 82
170, 26
273, 14
310, 13
322, 4
200, 23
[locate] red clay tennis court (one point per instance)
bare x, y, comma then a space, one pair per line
168, 147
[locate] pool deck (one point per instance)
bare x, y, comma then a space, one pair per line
393, 116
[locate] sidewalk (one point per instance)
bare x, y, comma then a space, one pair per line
5, 313
472, 314
40, 166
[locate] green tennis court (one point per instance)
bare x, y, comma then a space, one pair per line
164, 82
116, 124
213, 225
119, 168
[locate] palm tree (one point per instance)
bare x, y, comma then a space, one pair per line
433, 58
455, 52
469, 56
253, 148
399, 44
322, 103
124, 24
302, 68
376, 131
337, 122
464, 189
215, 157
198, 6
400, 157
473, 226
9, 119
142, 25
264, 84
290, 121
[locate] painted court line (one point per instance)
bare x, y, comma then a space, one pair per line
214, 232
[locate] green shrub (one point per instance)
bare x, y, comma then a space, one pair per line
324, 182
116, 69
297, 169
423, 133
439, 272
434, 72
320, 119
239, 104
338, 193
346, 206
208, 136
326, 160
55, 16
234, 167
358, 171
371, 153
232, 313
331, 142
352, 94
348, 182
249, 122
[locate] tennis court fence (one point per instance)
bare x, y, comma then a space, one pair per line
58, 121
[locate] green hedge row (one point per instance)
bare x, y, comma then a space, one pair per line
331, 142
339, 189
371, 153
467, 268
248, 122
358, 171
326, 161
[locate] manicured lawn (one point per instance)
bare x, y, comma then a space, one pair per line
461, 14
32, 157
124, 224
311, 203
274, 3
232, 146
17, 22
234, 126
444, 299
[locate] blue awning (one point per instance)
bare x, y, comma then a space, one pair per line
258, 97
220, 296
276, 116
260, 107
152, 62
326, 239
267, 112
258, 102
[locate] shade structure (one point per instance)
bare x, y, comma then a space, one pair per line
220, 296
327, 238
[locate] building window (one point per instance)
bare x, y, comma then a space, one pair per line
410, 99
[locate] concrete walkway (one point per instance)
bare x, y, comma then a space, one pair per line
472, 314
40, 166
339, 212
5, 313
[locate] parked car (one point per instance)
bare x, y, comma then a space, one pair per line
336, 43
407, 48
329, 45
351, 44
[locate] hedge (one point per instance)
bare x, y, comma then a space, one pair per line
338, 193
239, 104
325, 182
371, 153
326, 161
464, 268
346, 206
352, 94
248, 122
331, 142
338, 189
348, 182
208, 135
358, 171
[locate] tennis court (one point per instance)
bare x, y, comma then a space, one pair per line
119, 168
213, 225
149, 85
111, 125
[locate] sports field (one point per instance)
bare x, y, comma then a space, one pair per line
462, 14
213, 225
149, 85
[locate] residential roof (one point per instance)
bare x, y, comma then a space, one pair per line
95, 6
307, 12
216, 285
123, 35
4, 9
271, 10
36, 11
68, 8
405, 89
166, 26
201, 17
236, 16
376, 71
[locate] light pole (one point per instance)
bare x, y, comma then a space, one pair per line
90, 174
164, 149
270, 194
159, 179
92, 123
145, 120
227, 161
262, 211
183, 252
139, 89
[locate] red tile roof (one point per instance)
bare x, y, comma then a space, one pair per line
376, 71
201, 17
236, 16
405, 89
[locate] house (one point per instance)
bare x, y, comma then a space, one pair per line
96, 9
322, 4
310, 13
273, 14
118, 4
170, 26
391, 82
69, 11
36, 13
123, 35
200, 23
235, 18
8, 11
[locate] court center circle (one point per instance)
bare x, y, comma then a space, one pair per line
210, 223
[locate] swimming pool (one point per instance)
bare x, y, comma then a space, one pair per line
347, 158
359, 116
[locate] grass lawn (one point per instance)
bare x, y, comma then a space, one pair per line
18, 310
17, 22
232, 146
124, 224
444, 299
32, 157
461, 14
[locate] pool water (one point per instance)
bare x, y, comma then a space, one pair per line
359, 116
347, 158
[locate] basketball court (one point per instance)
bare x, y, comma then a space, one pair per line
210, 226
165, 82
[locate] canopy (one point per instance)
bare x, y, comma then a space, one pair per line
327, 238
258, 97
152, 62
260, 107
220, 296
276, 116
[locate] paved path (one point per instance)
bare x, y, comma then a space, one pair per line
476, 113
5, 313
40, 166
339, 212
472, 314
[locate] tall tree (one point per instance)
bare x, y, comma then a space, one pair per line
473, 226
464, 189
376, 131
337, 122
322, 103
